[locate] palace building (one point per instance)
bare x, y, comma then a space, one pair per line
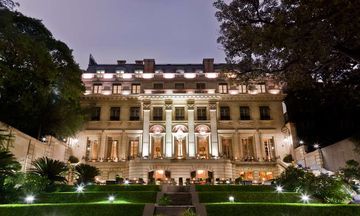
182, 122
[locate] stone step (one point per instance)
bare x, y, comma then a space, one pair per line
179, 198
174, 188
172, 210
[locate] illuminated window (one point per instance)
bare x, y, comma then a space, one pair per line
114, 113
134, 148
224, 113
97, 88
269, 148
248, 149
157, 114
244, 113
261, 88
264, 113
135, 89
242, 89
179, 113
134, 113
223, 88
116, 89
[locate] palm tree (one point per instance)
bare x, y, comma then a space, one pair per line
86, 173
54, 170
8, 167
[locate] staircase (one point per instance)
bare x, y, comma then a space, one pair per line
179, 200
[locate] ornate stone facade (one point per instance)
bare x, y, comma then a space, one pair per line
180, 121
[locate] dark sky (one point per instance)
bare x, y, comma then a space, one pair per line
171, 31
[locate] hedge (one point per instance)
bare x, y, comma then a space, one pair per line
269, 209
213, 197
71, 188
125, 196
240, 188
72, 209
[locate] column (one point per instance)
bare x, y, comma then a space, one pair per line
146, 124
168, 136
191, 144
102, 146
213, 125
235, 146
258, 148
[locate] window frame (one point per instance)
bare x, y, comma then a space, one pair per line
264, 110
179, 117
135, 88
115, 117
225, 117
247, 115
134, 110
223, 88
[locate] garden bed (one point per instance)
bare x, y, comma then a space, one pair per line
239, 188
215, 196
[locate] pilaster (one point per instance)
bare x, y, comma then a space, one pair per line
213, 125
191, 125
168, 124
146, 125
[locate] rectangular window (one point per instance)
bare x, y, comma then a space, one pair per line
242, 89
261, 88
223, 88
264, 113
135, 89
244, 113
97, 88
200, 86
95, 114
114, 113
225, 113
201, 113
134, 149
179, 86
158, 86
157, 114
134, 113
116, 89
179, 113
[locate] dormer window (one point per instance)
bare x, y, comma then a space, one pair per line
97, 88
223, 88
116, 89
135, 89
100, 73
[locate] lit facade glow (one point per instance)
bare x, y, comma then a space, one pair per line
108, 76
193, 127
87, 75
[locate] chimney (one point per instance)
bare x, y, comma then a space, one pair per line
120, 62
208, 65
139, 62
149, 65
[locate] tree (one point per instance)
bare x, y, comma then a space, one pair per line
53, 170
86, 173
8, 168
351, 170
310, 45
40, 84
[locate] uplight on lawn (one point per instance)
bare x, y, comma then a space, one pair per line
279, 189
305, 198
29, 199
80, 188
231, 199
126, 182
111, 199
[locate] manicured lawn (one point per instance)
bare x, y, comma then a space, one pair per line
233, 188
273, 209
71, 209
216, 196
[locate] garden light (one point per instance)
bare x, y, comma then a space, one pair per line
80, 189
279, 189
231, 199
305, 198
29, 199
126, 182
111, 199
316, 146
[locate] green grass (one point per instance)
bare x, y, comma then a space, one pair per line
98, 197
216, 196
239, 188
70, 188
277, 209
71, 209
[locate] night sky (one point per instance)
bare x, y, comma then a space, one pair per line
171, 31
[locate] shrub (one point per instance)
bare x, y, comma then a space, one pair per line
164, 200
189, 212
351, 170
86, 173
73, 159
244, 188
31, 183
216, 197
53, 170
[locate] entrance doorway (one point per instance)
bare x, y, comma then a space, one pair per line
202, 176
159, 176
